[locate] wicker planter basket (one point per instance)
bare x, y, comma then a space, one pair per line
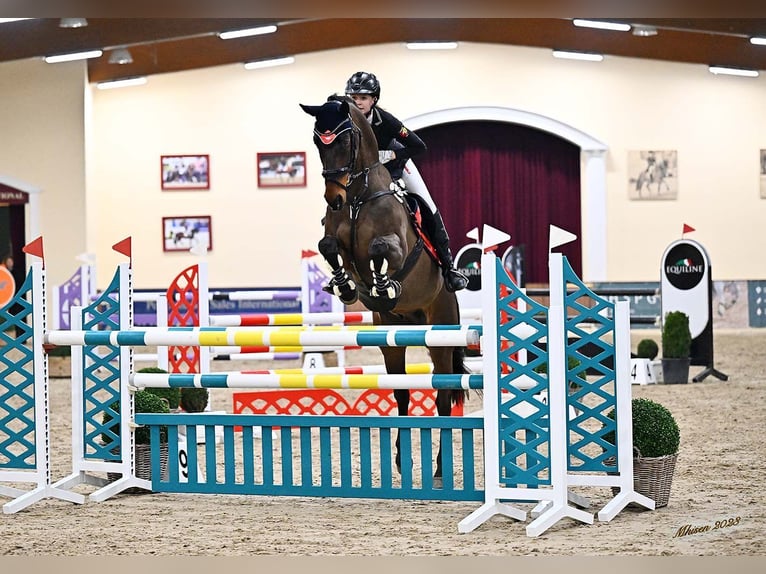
144, 466
652, 477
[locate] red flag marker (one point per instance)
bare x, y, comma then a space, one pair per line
124, 247
687, 229
306, 253
35, 248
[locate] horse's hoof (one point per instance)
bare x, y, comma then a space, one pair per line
349, 297
438, 482
382, 304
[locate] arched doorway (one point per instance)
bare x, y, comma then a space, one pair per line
15, 197
574, 165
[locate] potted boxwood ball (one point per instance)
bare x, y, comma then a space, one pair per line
171, 394
194, 399
647, 349
656, 441
144, 402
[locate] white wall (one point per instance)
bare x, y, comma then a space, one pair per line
42, 145
717, 124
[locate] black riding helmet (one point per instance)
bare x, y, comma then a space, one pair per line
363, 83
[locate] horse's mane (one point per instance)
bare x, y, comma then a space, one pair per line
344, 98
358, 116
340, 98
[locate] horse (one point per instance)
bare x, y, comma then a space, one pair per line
656, 173
375, 252
727, 294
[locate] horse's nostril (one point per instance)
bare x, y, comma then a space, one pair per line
334, 198
337, 204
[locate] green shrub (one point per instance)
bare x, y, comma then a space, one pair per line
171, 394
647, 349
676, 337
572, 364
145, 402
655, 431
194, 399
60, 351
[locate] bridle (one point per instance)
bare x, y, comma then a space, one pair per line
327, 138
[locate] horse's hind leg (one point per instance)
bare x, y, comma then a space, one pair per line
394, 358
442, 360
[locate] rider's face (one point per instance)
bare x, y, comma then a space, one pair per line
364, 102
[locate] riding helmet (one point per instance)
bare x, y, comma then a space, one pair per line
363, 83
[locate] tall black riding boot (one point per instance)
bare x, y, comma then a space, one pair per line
455, 279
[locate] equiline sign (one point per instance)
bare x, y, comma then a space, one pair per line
686, 285
468, 262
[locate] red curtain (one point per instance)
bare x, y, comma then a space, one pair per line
512, 177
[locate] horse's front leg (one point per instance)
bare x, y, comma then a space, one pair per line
383, 251
394, 359
341, 283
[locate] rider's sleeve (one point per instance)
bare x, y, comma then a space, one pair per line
413, 145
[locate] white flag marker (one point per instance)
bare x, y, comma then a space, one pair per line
492, 238
559, 237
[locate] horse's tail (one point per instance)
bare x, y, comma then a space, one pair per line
459, 397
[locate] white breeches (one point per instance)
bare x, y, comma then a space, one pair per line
416, 186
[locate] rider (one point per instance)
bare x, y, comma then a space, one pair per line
397, 145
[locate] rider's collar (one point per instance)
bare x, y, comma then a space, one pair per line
375, 118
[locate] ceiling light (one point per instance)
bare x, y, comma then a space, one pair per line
120, 56
269, 63
758, 41
248, 32
589, 56
644, 31
74, 56
5, 20
733, 71
73, 23
121, 83
431, 45
601, 25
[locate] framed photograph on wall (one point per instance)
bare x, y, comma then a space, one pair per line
653, 174
181, 233
181, 172
763, 174
282, 169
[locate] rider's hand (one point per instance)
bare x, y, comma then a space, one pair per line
386, 155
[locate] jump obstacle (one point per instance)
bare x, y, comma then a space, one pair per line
537, 457
81, 288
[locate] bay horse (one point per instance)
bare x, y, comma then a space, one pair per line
374, 250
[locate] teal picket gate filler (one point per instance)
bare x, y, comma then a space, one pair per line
312, 455
536, 442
